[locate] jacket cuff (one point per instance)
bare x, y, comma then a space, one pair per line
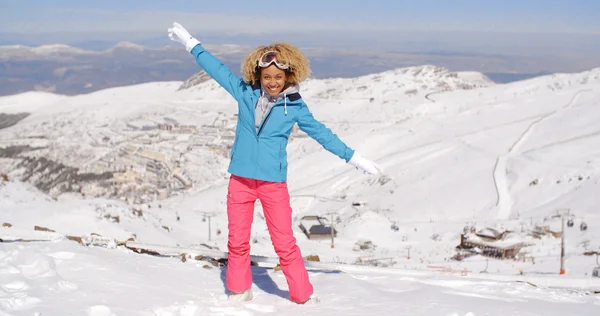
191, 43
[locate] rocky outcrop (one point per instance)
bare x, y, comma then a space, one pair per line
50, 176
195, 80
15, 151
8, 120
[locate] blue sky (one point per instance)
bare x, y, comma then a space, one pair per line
560, 16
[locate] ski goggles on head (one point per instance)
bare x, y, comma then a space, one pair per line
269, 58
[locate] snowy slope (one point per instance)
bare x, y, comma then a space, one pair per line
64, 279
458, 151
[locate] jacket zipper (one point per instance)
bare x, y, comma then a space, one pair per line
265, 120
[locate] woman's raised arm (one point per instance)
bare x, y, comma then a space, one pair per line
213, 66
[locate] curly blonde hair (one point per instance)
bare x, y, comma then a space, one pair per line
299, 65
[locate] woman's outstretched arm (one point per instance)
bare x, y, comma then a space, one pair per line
213, 66
331, 142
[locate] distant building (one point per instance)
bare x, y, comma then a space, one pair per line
151, 155
500, 250
165, 127
490, 234
178, 128
125, 177
183, 180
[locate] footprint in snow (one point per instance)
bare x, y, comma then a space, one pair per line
18, 301
261, 308
67, 286
99, 310
187, 309
6, 258
9, 270
62, 255
35, 265
231, 311
15, 286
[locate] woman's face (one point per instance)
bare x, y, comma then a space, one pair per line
273, 79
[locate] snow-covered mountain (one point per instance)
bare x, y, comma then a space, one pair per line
139, 123
459, 151
66, 51
69, 70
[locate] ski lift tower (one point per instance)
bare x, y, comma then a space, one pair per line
562, 213
332, 227
596, 271
562, 247
208, 215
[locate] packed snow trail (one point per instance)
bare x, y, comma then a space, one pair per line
504, 202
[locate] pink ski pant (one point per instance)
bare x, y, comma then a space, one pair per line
275, 199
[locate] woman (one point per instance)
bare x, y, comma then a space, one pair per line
269, 104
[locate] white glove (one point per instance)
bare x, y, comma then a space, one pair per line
179, 34
365, 165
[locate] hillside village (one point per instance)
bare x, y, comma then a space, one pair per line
143, 173
139, 159
146, 156
180, 144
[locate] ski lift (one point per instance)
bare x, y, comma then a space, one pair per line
318, 230
596, 271
473, 229
583, 226
466, 229
570, 222
395, 227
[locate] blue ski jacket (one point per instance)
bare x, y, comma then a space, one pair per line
261, 153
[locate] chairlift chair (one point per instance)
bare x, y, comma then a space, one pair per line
320, 230
570, 222
583, 226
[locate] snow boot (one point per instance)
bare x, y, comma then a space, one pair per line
240, 297
313, 299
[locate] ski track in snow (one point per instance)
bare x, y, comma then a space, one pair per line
504, 201
562, 142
